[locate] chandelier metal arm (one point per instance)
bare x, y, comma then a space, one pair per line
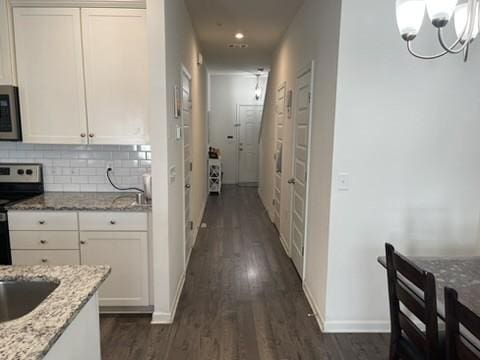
424, 57
451, 49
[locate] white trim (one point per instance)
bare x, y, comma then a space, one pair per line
314, 306
184, 71
131, 4
357, 326
284, 244
167, 318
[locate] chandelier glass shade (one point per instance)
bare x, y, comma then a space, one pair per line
465, 17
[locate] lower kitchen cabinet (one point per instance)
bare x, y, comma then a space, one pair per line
127, 253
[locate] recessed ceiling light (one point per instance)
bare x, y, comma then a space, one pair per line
239, 36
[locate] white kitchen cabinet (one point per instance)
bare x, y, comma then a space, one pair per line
127, 254
6, 66
116, 75
48, 44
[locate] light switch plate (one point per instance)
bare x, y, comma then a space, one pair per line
343, 181
179, 133
172, 174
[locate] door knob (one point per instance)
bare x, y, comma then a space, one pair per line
43, 241
188, 186
292, 181
41, 222
113, 222
83, 242
241, 149
91, 135
44, 260
83, 135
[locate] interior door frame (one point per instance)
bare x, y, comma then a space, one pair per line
283, 85
237, 137
311, 67
184, 72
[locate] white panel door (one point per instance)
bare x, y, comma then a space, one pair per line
127, 253
6, 69
279, 123
300, 165
116, 75
50, 75
187, 160
249, 119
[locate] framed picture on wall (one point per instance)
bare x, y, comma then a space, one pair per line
289, 103
177, 103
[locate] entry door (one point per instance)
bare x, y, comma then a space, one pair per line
249, 119
300, 164
187, 158
277, 169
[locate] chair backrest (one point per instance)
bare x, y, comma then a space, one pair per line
456, 314
422, 303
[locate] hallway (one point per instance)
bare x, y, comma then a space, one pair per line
242, 299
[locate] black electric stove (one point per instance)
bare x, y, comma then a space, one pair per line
17, 182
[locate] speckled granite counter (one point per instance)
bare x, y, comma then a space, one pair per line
31, 336
82, 201
459, 273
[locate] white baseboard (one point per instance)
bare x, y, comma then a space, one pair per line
284, 244
167, 318
314, 306
357, 327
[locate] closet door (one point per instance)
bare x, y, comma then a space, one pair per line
48, 49
116, 72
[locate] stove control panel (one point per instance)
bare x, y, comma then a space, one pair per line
20, 173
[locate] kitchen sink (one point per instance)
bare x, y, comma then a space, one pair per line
18, 298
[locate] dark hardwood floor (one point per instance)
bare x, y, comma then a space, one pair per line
242, 300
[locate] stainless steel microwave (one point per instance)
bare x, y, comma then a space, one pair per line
10, 128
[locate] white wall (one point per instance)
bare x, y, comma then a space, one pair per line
313, 35
407, 133
227, 91
172, 43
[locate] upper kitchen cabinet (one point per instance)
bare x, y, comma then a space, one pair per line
82, 75
116, 75
48, 44
6, 68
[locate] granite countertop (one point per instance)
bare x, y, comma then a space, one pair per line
31, 336
82, 201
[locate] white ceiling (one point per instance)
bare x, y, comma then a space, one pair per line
262, 21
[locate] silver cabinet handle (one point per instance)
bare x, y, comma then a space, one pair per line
292, 181
41, 222
44, 260
113, 222
83, 242
188, 186
43, 241
91, 135
83, 135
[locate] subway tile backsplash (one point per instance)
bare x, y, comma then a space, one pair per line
82, 167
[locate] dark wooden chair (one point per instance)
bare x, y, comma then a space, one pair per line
408, 341
456, 314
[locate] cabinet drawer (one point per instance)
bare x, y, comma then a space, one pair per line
44, 240
112, 221
46, 257
42, 220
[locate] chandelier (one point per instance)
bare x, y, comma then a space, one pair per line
410, 15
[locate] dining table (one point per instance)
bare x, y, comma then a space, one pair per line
459, 273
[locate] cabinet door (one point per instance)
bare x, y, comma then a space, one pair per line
127, 254
50, 75
116, 75
6, 69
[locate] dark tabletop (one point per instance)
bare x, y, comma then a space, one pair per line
459, 273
